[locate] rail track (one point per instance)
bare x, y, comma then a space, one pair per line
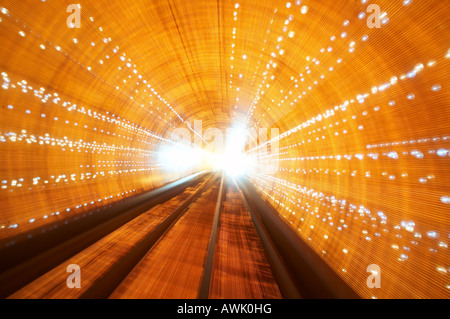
208, 240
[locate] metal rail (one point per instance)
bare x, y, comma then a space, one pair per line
105, 286
312, 277
280, 271
207, 271
31, 258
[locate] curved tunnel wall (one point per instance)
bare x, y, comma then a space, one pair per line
363, 112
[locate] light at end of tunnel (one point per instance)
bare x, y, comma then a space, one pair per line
234, 164
234, 161
179, 158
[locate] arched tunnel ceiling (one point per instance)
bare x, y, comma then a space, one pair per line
206, 58
363, 112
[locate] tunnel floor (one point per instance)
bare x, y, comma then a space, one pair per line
174, 266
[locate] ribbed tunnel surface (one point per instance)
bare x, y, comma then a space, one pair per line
117, 154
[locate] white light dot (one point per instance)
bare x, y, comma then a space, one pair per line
432, 234
445, 199
436, 88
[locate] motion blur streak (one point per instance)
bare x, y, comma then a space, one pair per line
363, 115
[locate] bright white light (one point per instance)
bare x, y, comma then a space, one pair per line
234, 161
179, 157
234, 164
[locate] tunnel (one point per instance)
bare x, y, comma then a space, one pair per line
245, 149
